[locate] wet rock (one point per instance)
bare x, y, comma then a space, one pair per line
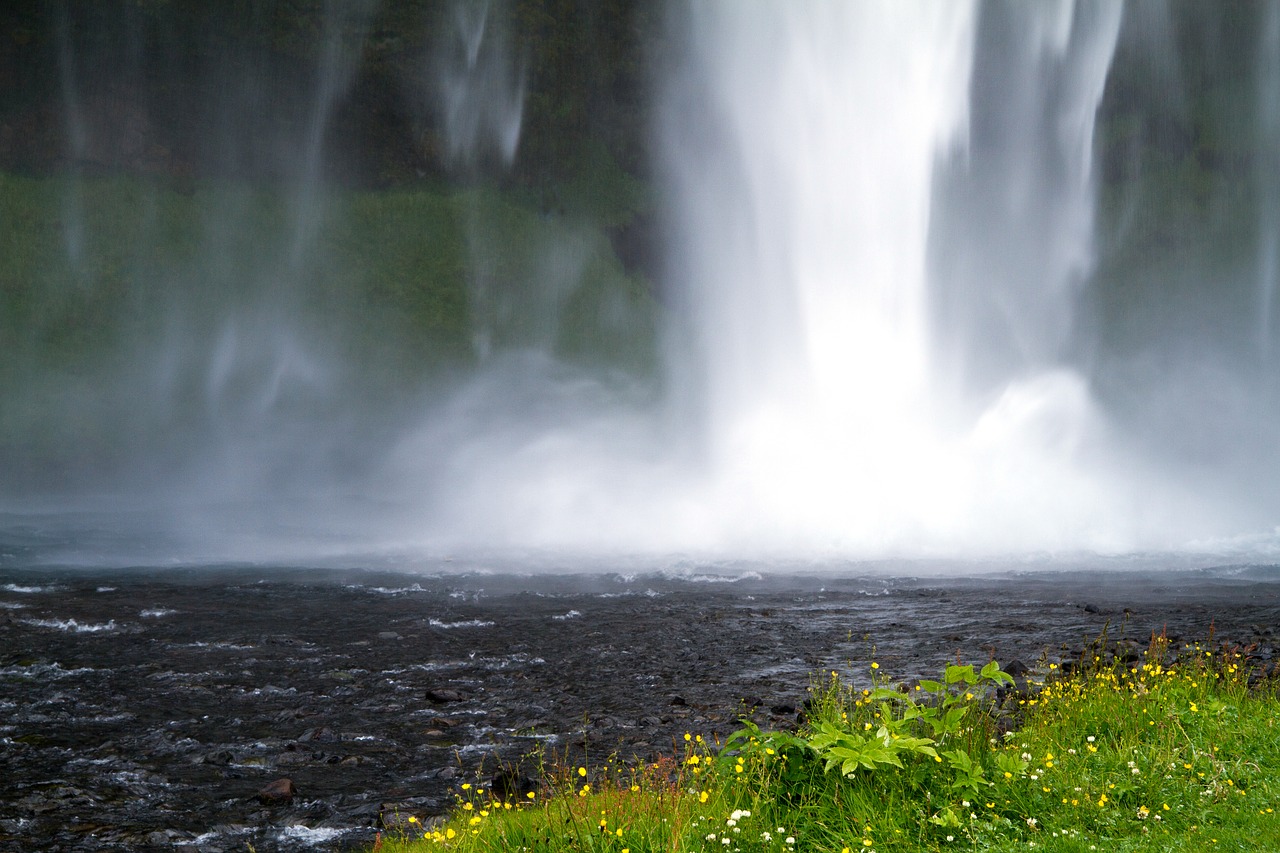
511, 785
1016, 668
324, 734
278, 793
445, 695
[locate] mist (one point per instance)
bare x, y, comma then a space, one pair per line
925, 282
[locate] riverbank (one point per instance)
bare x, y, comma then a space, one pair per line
151, 707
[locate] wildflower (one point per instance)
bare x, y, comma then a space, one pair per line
582, 771
789, 840
1143, 811
412, 819
703, 796
875, 665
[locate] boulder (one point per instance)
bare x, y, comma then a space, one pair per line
278, 793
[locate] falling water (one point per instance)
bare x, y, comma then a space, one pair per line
1268, 174
904, 311
884, 234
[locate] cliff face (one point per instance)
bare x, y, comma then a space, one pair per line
186, 88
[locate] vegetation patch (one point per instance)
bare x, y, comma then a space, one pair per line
1173, 749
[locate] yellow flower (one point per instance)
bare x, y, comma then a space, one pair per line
582, 771
875, 665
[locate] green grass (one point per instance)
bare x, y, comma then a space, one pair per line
1177, 750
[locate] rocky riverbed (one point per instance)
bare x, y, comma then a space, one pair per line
147, 709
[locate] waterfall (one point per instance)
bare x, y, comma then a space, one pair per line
884, 213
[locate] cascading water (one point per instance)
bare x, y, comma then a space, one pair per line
939, 280
873, 207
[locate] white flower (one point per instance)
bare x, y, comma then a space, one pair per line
711, 836
789, 840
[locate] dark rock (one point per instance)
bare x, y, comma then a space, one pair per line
398, 817
510, 785
278, 793
324, 734
445, 695
1016, 668
221, 758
